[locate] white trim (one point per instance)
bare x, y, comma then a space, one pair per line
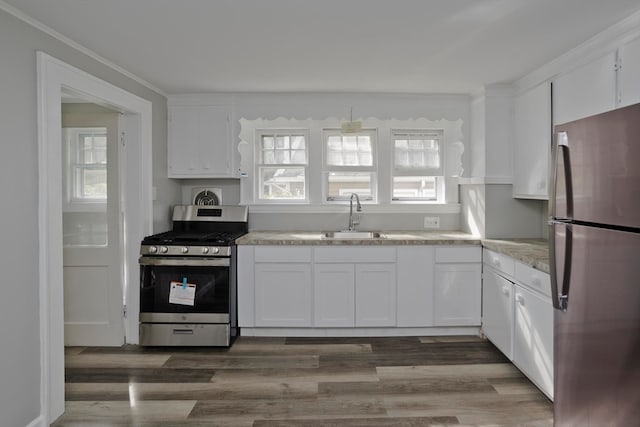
38, 422
52, 76
66, 40
397, 207
486, 180
605, 42
360, 332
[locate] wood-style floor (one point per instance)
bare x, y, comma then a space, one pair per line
265, 382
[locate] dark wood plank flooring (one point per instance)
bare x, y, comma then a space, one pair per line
266, 382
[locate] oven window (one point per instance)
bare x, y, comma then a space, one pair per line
212, 289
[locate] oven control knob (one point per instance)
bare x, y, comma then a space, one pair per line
164, 249
205, 250
216, 250
153, 249
184, 249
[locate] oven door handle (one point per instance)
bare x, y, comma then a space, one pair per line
186, 262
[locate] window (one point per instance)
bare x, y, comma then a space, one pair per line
87, 165
282, 165
417, 165
349, 165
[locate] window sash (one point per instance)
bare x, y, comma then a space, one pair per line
339, 185
86, 166
417, 153
415, 188
349, 152
279, 152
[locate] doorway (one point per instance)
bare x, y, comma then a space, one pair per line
54, 78
92, 255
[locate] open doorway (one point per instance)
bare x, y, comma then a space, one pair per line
56, 78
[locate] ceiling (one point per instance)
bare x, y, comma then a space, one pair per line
399, 46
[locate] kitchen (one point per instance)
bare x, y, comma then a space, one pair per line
485, 201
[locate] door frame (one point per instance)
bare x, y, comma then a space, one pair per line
136, 212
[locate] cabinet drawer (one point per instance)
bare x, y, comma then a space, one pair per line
458, 254
355, 254
535, 279
500, 262
282, 254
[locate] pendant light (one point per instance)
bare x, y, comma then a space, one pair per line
351, 126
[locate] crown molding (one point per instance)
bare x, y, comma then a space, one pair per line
75, 45
602, 43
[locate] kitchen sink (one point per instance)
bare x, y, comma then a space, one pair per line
353, 235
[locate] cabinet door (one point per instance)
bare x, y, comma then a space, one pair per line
532, 143
334, 295
375, 294
585, 91
282, 294
199, 142
533, 340
628, 81
457, 290
497, 310
415, 285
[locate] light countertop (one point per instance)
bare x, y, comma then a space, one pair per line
532, 252
390, 238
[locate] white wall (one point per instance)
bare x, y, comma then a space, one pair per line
20, 337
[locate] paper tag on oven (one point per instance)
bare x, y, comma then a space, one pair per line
180, 294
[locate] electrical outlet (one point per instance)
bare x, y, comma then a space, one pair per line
431, 222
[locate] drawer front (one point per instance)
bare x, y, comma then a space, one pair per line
535, 279
282, 254
500, 262
355, 254
458, 254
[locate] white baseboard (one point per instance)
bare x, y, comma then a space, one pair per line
358, 332
38, 422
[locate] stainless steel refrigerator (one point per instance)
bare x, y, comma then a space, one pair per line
595, 269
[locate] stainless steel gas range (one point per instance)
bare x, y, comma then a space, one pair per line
188, 290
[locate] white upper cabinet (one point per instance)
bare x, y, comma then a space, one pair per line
585, 91
532, 143
628, 81
200, 141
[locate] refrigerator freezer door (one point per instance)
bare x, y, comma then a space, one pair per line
604, 154
597, 338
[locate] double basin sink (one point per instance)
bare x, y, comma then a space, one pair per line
356, 235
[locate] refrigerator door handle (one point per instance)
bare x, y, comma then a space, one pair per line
560, 294
561, 147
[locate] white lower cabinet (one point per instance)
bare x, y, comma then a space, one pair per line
381, 286
456, 296
517, 316
533, 340
375, 294
497, 310
354, 286
458, 286
283, 294
334, 295
415, 286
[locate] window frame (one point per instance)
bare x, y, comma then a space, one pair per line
372, 170
74, 166
259, 164
398, 171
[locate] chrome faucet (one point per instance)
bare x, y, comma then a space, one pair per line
353, 222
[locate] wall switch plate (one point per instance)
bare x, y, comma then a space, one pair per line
431, 222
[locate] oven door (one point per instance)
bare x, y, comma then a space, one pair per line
210, 276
